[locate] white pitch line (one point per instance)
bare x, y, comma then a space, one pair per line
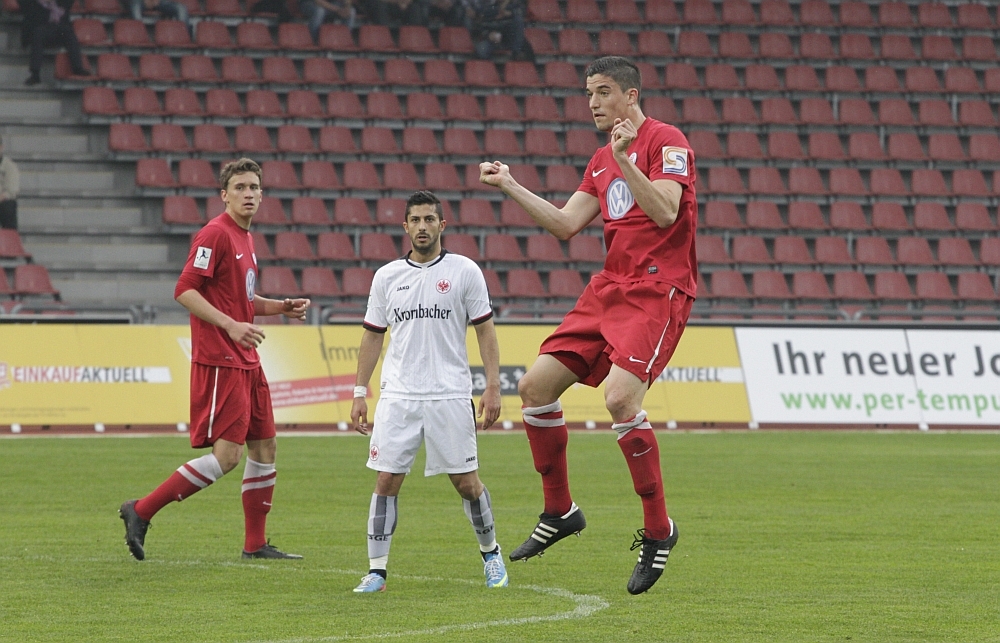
586, 604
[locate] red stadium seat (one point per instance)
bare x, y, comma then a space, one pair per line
857, 46
477, 213
976, 285
971, 183
873, 251
738, 110
181, 210
766, 180
142, 101
694, 44
810, 285
761, 78
735, 44
361, 175
224, 8
239, 69
358, 281
961, 80
725, 180
712, 250
887, 182
856, 14
100, 100
938, 48
889, 216
378, 246
845, 215
375, 38
538, 108
816, 111
319, 175
576, 110
169, 137
361, 71
934, 286
524, 282
706, 144
897, 47
344, 105
455, 40
279, 175
171, 34
979, 48
336, 38
293, 246
721, 77
892, 286
320, 71
127, 137
805, 215
263, 104
895, 111
209, 34
279, 71
156, 67
662, 12
776, 45
545, 247
304, 104
420, 140
575, 42
402, 176
816, 46
770, 284
984, 147
253, 138
931, 216
842, 79
784, 145
905, 146
198, 69
319, 282
153, 173
503, 247
565, 283
378, 140
261, 247
481, 73
561, 178
583, 11
729, 284
309, 211
614, 42
294, 36
335, 246
945, 147
502, 107
443, 176
441, 73
816, 13
541, 142
295, 139
33, 279
464, 142
935, 113
956, 251
764, 215
847, 181
416, 39
270, 212
751, 250
914, 251
791, 250
826, 146
196, 173
90, 32
253, 35
973, 217
114, 67
463, 244
401, 71
278, 281
976, 113
586, 249
851, 286
463, 107
832, 251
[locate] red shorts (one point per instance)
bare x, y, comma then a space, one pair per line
231, 404
635, 326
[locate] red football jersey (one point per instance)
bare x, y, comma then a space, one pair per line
638, 249
222, 267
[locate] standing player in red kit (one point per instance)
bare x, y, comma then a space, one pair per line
230, 399
627, 323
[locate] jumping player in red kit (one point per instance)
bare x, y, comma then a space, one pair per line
230, 399
627, 323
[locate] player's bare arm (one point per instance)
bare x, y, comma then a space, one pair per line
368, 354
563, 223
244, 334
291, 308
489, 351
660, 199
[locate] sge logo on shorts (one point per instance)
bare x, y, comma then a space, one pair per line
373, 453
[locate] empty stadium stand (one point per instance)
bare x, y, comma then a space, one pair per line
848, 153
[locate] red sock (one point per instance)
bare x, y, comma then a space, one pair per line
189, 479
258, 490
548, 436
643, 457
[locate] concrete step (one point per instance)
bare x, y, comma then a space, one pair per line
56, 218
109, 290
26, 145
19, 108
127, 256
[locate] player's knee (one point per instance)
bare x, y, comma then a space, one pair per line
620, 405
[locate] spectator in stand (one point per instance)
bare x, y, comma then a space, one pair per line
316, 12
47, 24
10, 185
278, 7
169, 9
498, 24
449, 13
394, 13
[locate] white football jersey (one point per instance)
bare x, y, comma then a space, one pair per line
428, 307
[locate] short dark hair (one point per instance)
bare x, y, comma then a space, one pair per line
622, 70
424, 197
241, 166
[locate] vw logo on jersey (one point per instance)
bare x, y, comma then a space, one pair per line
620, 199
443, 286
251, 283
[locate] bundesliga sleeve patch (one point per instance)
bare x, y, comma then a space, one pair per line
675, 160
202, 257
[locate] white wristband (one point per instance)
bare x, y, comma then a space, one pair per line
360, 391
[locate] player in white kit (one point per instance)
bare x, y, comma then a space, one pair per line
427, 298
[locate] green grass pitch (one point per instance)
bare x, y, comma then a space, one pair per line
784, 536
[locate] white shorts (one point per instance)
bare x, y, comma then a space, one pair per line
447, 426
